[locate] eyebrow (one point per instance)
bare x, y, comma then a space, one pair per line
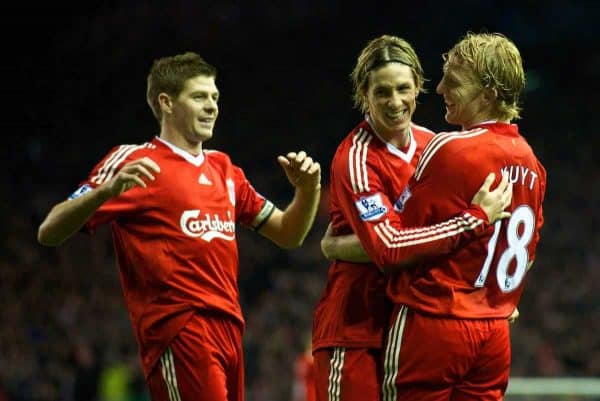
448, 73
394, 85
204, 91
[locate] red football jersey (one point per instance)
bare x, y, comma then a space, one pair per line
485, 278
368, 179
175, 240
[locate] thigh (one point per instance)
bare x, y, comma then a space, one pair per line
488, 377
422, 358
348, 374
436, 359
202, 363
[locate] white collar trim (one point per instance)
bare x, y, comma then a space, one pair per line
485, 122
195, 160
412, 147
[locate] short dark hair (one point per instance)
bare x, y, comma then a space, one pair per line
169, 75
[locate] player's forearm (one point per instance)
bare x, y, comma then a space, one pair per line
297, 219
344, 247
67, 218
299, 216
401, 247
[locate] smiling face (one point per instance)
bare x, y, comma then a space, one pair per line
195, 110
463, 95
483, 80
391, 98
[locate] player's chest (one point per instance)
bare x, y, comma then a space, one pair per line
198, 203
195, 187
395, 175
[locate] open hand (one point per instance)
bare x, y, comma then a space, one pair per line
132, 174
301, 170
494, 202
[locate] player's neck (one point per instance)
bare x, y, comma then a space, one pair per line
482, 121
182, 142
485, 115
401, 139
398, 139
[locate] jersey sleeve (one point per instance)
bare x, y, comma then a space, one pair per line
251, 208
122, 205
388, 241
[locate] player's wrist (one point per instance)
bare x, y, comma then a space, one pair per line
105, 192
478, 212
309, 188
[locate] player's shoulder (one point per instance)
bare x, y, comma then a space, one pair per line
117, 157
219, 159
216, 155
448, 144
421, 135
121, 154
525, 145
418, 129
530, 154
362, 130
359, 140
126, 151
446, 140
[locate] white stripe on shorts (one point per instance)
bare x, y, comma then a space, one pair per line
392, 352
336, 364
169, 375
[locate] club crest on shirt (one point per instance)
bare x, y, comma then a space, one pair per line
80, 191
399, 205
207, 227
231, 190
371, 207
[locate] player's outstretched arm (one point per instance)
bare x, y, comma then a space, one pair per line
288, 228
67, 217
492, 202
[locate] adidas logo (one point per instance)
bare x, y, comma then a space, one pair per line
203, 180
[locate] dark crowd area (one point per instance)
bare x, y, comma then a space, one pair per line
74, 83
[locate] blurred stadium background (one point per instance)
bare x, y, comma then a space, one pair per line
74, 84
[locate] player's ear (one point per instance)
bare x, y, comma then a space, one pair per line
490, 95
165, 103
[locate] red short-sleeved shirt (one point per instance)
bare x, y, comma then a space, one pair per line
175, 241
